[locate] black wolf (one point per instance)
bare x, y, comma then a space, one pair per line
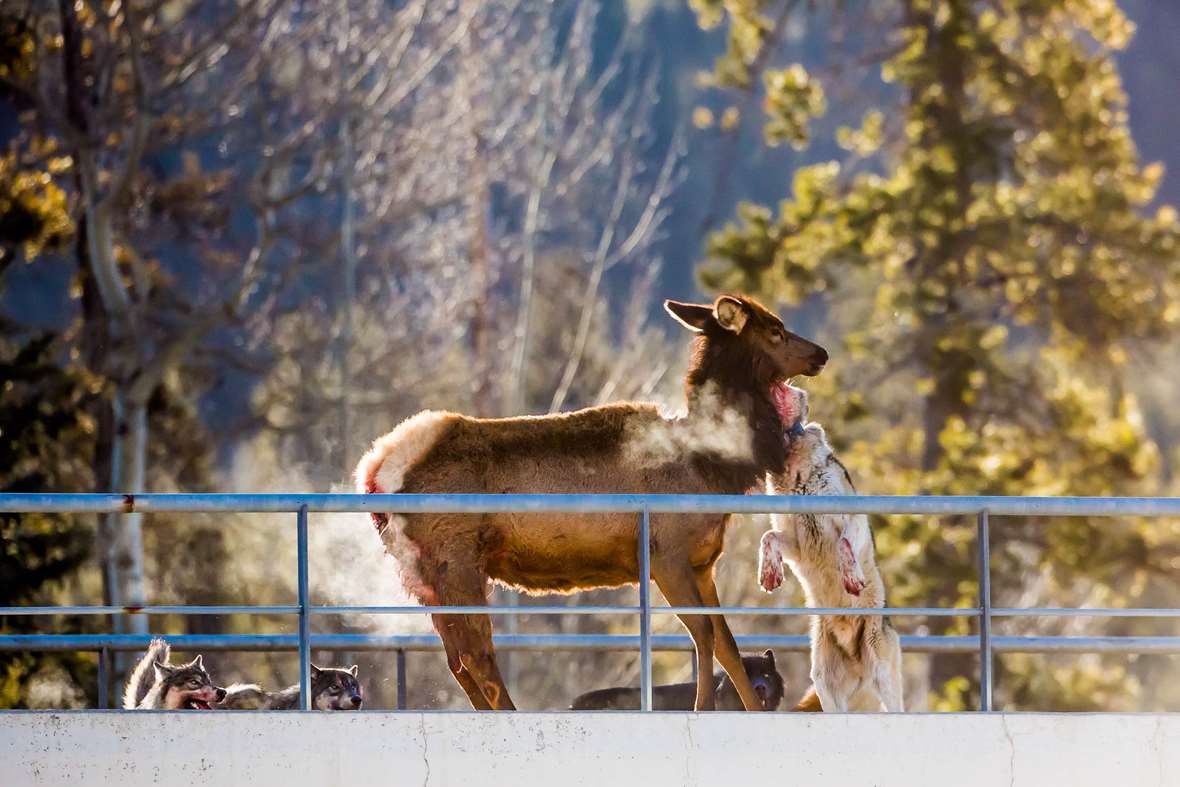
768, 685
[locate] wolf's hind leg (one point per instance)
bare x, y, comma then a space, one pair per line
886, 670
834, 683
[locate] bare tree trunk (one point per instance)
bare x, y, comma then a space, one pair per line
131, 435
347, 289
478, 208
514, 398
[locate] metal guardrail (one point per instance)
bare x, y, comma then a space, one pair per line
642, 505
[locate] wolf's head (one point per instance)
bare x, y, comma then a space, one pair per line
333, 688
187, 686
764, 677
791, 404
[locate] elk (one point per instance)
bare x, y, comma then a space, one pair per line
726, 442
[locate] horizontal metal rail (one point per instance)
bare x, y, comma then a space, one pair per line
982, 507
592, 503
592, 643
487, 610
945, 612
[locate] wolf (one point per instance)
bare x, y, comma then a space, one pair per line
156, 684
764, 676
332, 688
854, 659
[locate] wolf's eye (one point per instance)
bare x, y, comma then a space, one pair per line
333, 689
194, 683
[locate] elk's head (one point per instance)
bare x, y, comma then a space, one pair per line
740, 327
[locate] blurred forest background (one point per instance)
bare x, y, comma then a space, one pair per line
241, 238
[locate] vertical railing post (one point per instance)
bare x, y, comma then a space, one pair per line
304, 618
985, 613
104, 677
645, 610
693, 662
401, 679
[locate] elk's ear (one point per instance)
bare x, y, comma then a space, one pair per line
353, 670
730, 313
769, 656
693, 316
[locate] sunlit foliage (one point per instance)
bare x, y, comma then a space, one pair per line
987, 252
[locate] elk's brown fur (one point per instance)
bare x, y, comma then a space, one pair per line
730, 437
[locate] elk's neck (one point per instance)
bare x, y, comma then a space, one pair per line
727, 402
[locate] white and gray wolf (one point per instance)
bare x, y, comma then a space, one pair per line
726, 442
332, 688
156, 684
855, 660
764, 676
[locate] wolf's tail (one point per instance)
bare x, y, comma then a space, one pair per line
809, 703
141, 679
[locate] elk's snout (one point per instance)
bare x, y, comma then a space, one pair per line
819, 359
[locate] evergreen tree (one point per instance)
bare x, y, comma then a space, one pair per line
989, 254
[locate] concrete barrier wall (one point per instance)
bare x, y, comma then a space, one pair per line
565, 750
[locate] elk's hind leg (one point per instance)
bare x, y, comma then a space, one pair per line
458, 580
454, 631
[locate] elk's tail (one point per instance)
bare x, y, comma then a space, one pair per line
143, 676
383, 468
809, 702
366, 477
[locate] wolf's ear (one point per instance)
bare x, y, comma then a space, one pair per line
163, 670
315, 670
199, 662
353, 670
769, 656
730, 313
693, 316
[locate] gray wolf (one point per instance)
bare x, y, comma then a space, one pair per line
156, 684
727, 441
764, 676
854, 660
332, 688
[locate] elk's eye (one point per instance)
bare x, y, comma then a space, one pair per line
776, 335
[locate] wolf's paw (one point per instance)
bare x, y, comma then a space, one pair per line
851, 576
770, 575
770, 562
